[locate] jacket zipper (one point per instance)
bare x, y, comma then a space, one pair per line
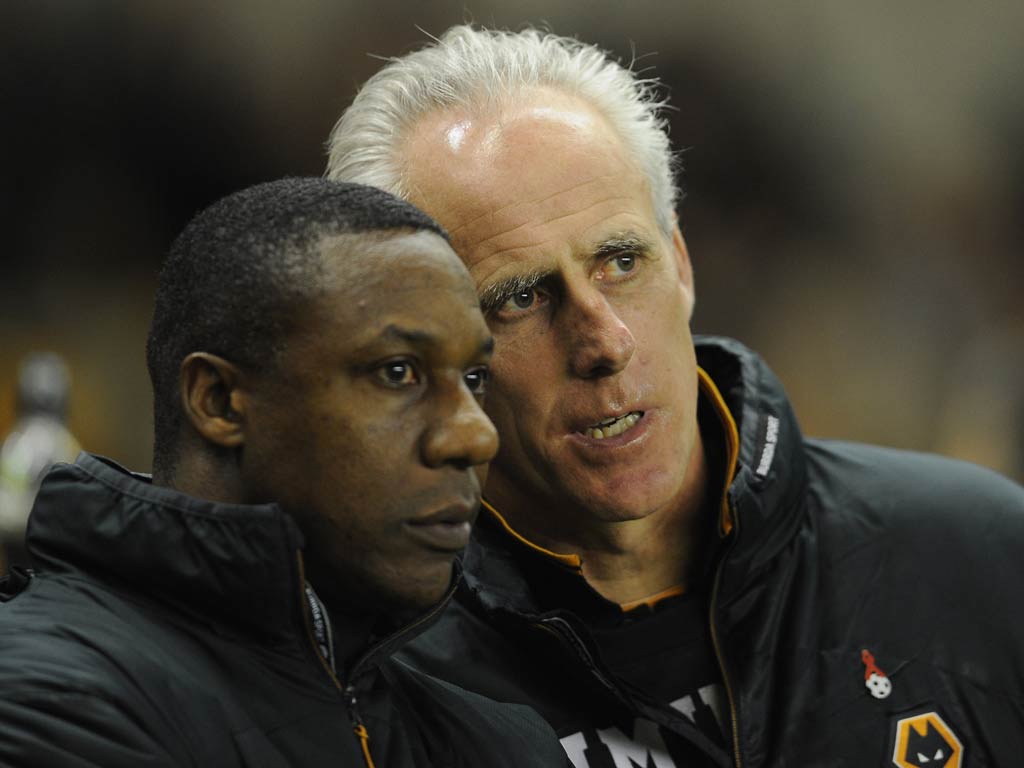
348, 693
718, 651
564, 632
357, 724
567, 633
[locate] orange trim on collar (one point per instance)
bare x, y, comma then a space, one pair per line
651, 600
732, 444
570, 561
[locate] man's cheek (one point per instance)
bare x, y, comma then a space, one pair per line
481, 471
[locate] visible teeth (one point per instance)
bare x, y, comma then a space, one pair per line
614, 426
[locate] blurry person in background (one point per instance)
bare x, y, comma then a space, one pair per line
39, 438
667, 569
318, 362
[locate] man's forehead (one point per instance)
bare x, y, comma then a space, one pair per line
490, 128
496, 159
367, 255
541, 235
545, 180
391, 285
482, 124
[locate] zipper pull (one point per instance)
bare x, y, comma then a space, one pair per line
357, 724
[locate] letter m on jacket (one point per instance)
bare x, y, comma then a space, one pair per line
616, 750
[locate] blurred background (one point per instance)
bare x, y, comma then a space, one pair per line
854, 177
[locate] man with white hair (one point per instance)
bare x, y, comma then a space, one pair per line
668, 571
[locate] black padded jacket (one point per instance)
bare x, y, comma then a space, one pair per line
866, 608
162, 630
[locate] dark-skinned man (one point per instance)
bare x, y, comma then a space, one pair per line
318, 361
668, 570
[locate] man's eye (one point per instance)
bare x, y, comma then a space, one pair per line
521, 300
398, 373
624, 262
476, 380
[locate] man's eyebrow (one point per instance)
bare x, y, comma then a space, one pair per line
424, 338
408, 334
495, 295
628, 243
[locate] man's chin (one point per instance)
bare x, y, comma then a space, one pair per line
400, 596
406, 605
416, 590
626, 500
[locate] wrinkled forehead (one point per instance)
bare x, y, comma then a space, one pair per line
549, 173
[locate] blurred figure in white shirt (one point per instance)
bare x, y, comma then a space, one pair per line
39, 438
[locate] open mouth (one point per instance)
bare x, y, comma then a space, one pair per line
616, 425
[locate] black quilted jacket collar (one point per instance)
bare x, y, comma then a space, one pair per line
764, 495
238, 567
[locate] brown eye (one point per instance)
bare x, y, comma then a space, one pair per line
398, 373
476, 380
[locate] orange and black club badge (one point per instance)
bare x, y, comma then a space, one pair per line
925, 740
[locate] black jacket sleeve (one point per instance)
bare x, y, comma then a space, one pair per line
67, 729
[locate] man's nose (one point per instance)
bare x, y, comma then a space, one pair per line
460, 434
599, 342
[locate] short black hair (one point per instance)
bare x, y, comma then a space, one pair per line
239, 268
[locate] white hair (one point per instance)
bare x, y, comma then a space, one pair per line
471, 68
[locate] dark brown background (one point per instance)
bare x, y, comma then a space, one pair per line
854, 177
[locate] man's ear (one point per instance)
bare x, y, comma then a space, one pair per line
683, 265
212, 398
